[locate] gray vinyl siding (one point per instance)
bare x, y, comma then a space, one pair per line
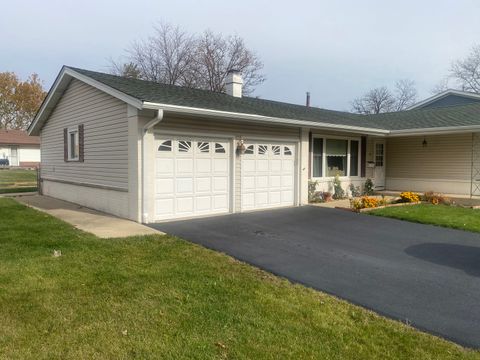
105, 134
444, 157
227, 128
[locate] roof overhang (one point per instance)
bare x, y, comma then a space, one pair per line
58, 88
263, 119
442, 95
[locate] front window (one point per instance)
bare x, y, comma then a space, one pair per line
73, 146
335, 156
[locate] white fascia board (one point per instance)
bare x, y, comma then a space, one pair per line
442, 95
64, 77
264, 119
435, 131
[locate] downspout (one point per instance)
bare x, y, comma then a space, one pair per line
149, 125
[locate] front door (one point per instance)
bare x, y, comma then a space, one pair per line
379, 165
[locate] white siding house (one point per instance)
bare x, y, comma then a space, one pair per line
19, 149
153, 152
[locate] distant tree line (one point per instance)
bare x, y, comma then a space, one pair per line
464, 74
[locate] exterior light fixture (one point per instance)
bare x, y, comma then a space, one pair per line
424, 142
241, 146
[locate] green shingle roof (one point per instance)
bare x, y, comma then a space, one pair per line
147, 91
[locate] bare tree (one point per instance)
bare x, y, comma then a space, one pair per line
405, 94
129, 70
173, 56
217, 55
441, 86
380, 100
375, 101
466, 72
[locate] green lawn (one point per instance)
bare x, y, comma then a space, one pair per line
17, 180
442, 215
161, 297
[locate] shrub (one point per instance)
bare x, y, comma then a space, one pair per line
409, 197
355, 190
435, 199
368, 187
365, 202
338, 192
314, 196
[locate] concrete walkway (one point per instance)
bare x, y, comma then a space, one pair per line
92, 221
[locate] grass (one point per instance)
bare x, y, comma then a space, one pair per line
442, 215
161, 297
17, 180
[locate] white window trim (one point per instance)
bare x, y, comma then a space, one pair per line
70, 131
324, 157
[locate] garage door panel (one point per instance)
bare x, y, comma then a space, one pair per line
270, 183
287, 196
220, 184
248, 165
203, 184
184, 166
184, 205
287, 165
203, 165
275, 198
165, 186
164, 207
220, 165
275, 165
262, 166
184, 185
164, 166
261, 181
220, 202
203, 203
192, 177
275, 181
287, 181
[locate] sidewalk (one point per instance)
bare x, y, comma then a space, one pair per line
92, 221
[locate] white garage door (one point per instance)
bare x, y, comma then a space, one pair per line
268, 174
192, 177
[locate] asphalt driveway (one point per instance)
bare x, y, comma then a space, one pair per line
425, 275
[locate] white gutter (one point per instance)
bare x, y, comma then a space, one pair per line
157, 119
435, 131
261, 118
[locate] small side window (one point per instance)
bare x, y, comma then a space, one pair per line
73, 145
262, 149
219, 148
249, 150
165, 146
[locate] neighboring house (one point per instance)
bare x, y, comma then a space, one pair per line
448, 98
153, 152
19, 148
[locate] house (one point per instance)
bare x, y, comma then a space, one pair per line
152, 152
19, 148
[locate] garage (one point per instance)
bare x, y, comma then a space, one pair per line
268, 175
192, 177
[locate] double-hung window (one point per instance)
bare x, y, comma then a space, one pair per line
333, 156
73, 144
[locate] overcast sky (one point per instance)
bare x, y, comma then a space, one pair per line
337, 50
